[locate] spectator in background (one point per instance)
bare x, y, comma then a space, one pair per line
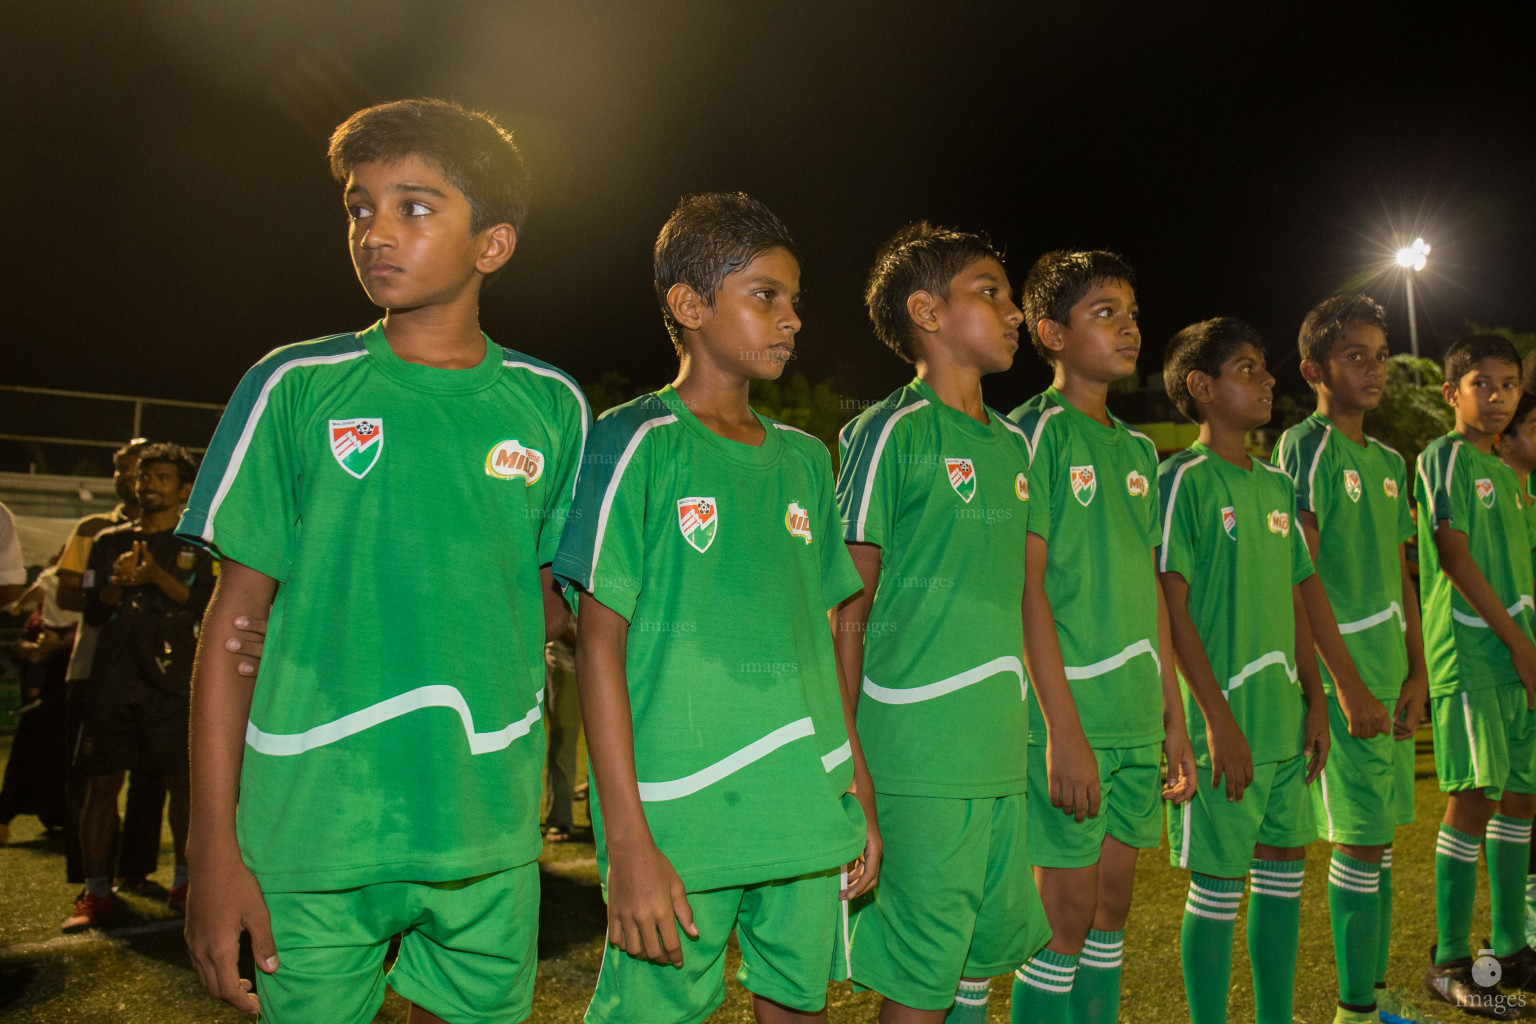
147, 590
34, 774
562, 722
140, 847
13, 575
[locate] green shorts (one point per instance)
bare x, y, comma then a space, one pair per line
1130, 793
467, 952
1216, 836
956, 900
786, 929
1485, 739
1356, 800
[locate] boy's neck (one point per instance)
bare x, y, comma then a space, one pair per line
1346, 420
159, 522
445, 336
718, 399
1476, 438
1228, 442
958, 387
1088, 397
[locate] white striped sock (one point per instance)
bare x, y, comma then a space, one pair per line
1386, 859
1047, 977
1454, 847
1353, 879
1211, 903
1102, 956
973, 993
1506, 830
1285, 884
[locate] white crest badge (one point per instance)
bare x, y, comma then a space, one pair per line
357, 444
699, 520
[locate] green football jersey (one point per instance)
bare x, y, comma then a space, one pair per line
1528, 504
405, 510
1232, 534
947, 500
1099, 486
725, 559
1479, 496
1360, 496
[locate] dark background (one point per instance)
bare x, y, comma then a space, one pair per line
169, 217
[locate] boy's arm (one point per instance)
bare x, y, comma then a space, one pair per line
1410, 701
224, 898
1177, 749
1230, 756
1071, 767
1460, 568
557, 614
849, 621
645, 894
1367, 716
1315, 737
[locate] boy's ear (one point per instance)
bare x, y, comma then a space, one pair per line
1199, 384
496, 245
686, 306
1448, 392
922, 307
1049, 332
1312, 372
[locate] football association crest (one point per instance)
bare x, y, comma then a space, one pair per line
1390, 486
798, 522
1083, 484
962, 477
1485, 492
1136, 484
1352, 484
357, 444
1021, 487
1229, 521
510, 460
699, 519
1280, 522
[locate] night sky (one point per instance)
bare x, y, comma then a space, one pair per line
170, 217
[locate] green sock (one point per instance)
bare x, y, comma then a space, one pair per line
970, 1002
1509, 856
1096, 993
1205, 945
1455, 886
1384, 929
1042, 988
1274, 933
1355, 913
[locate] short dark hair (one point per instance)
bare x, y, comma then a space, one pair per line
1526, 406
1204, 346
1528, 371
130, 450
175, 454
708, 238
1059, 280
918, 258
475, 153
1466, 353
1324, 326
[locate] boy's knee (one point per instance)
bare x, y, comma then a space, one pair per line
1518, 805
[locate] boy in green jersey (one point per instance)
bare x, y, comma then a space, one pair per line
1095, 749
1352, 496
386, 761
1482, 674
1236, 572
936, 505
1517, 450
705, 541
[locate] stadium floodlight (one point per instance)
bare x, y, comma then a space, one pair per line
1414, 257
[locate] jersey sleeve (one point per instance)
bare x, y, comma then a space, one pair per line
1405, 527
1042, 476
1301, 558
574, 424
1441, 491
76, 554
839, 578
1298, 454
244, 505
1180, 520
602, 549
869, 484
1152, 526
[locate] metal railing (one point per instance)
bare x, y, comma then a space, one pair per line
139, 403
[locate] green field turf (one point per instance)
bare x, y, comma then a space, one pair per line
138, 971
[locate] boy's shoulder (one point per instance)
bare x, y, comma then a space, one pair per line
324, 351
1304, 441
545, 376
1180, 461
801, 442
1442, 452
893, 413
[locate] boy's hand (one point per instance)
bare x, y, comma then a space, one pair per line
864, 872
1409, 710
1524, 657
1180, 754
1315, 741
646, 902
1231, 757
1367, 716
249, 638
1072, 771
224, 900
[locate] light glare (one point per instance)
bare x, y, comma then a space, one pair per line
1415, 256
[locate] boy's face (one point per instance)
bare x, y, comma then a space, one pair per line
1355, 372
1485, 397
410, 237
1243, 394
159, 487
1518, 447
979, 318
1101, 338
751, 329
